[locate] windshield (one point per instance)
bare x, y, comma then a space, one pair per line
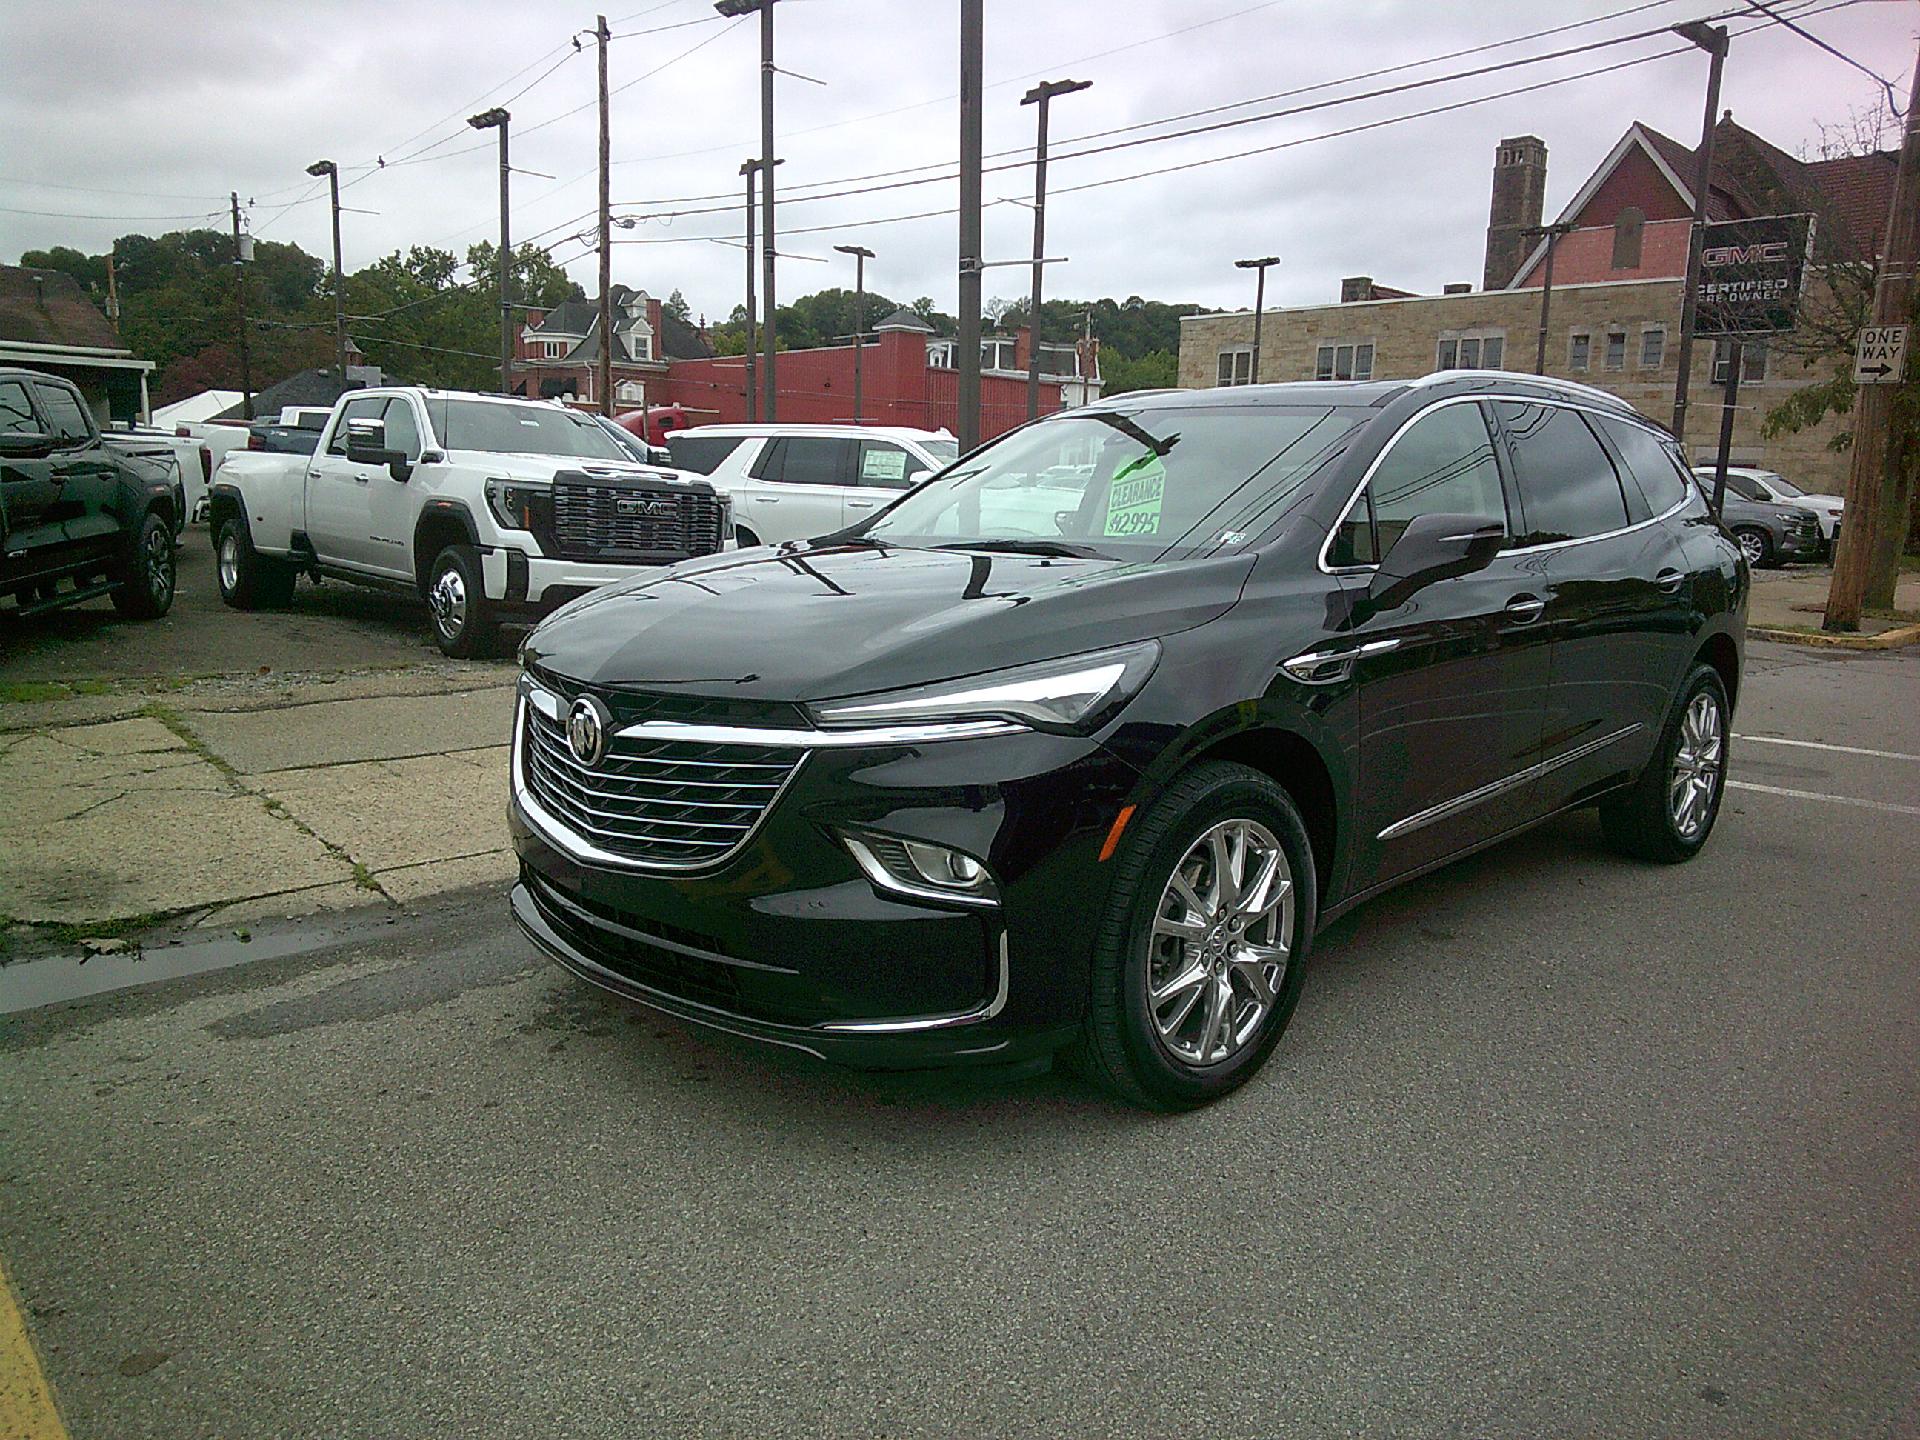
508, 429
1781, 485
945, 451
1141, 485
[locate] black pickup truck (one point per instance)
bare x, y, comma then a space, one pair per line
77, 518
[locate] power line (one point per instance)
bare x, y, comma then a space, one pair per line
122, 219
1893, 99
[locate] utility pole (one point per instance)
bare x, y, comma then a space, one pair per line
332, 172
1713, 40
860, 257
1868, 486
750, 169
1041, 95
1553, 234
733, 9
972, 44
240, 248
497, 118
606, 227
1259, 267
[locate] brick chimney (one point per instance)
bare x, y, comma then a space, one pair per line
1356, 288
1519, 197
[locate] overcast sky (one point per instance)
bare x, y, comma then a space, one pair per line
146, 112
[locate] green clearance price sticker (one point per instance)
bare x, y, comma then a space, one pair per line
1134, 498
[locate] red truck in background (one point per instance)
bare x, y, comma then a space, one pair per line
655, 423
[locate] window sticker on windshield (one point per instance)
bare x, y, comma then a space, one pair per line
883, 465
1133, 503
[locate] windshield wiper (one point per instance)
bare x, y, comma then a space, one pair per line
1020, 546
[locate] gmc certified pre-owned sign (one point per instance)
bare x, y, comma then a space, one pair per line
1750, 274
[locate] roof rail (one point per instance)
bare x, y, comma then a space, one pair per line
1552, 382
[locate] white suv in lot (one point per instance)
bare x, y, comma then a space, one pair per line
793, 482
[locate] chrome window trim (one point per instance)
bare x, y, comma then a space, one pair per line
1447, 808
1320, 561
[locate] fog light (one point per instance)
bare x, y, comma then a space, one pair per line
921, 869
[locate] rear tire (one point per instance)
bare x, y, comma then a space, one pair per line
1668, 813
248, 580
464, 624
1755, 544
149, 571
1241, 947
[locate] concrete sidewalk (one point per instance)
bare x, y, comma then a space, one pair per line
229, 801
1795, 598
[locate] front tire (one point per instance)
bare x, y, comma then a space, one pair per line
464, 623
1756, 545
1667, 815
1199, 960
247, 579
149, 572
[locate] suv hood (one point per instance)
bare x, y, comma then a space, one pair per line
796, 624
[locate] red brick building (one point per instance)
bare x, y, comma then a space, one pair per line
557, 353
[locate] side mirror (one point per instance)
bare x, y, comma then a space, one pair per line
367, 445
1434, 547
914, 477
26, 445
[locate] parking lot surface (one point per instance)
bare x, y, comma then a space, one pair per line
1557, 1144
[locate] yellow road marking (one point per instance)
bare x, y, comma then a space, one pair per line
26, 1400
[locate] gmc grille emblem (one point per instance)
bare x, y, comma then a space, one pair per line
658, 509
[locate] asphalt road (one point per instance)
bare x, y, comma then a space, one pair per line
1557, 1144
328, 627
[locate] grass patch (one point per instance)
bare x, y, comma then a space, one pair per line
26, 692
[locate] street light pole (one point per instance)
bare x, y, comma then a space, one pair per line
1552, 233
497, 118
1713, 40
332, 172
733, 9
860, 257
1041, 95
972, 45
1259, 267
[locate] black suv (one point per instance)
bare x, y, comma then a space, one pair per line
77, 519
1078, 743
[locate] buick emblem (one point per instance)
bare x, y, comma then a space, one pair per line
588, 724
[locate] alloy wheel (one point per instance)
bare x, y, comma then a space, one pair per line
159, 558
1219, 948
229, 562
448, 597
1698, 759
1753, 545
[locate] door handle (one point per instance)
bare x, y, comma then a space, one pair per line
1526, 609
765, 499
1329, 667
1670, 581
861, 504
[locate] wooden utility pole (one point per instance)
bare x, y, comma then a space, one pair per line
1867, 482
972, 33
240, 307
770, 403
606, 228
750, 169
1041, 95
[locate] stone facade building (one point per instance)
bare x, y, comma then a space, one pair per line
1615, 310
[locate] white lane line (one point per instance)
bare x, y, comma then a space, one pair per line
1888, 806
1816, 745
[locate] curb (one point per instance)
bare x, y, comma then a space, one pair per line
1886, 640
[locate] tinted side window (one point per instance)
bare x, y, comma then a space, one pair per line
701, 454
70, 421
1568, 487
364, 407
403, 431
16, 411
805, 460
1443, 465
1650, 462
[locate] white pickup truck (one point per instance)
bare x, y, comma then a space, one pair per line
492, 509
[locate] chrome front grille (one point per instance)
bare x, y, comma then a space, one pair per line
593, 521
674, 804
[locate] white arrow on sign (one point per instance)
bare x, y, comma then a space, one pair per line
1881, 356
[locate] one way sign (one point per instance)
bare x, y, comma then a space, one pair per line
1882, 355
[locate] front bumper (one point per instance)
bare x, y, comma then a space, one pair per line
787, 941
1801, 544
514, 577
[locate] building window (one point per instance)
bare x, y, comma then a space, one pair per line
641, 346
997, 355
1653, 347
630, 390
1478, 350
553, 349
1236, 367
1753, 364
1616, 349
1344, 362
1627, 229
1579, 348
940, 354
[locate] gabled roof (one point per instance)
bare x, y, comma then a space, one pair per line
569, 317
48, 307
904, 319
311, 387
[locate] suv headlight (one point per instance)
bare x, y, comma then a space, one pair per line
519, 505
1070, 696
